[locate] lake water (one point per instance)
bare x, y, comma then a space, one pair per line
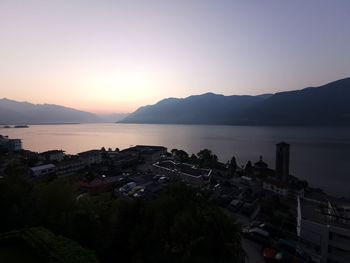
319, 155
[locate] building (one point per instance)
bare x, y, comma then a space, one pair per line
286, 189
184, 172
125, 160
326, 226
260, 165
54, 155
276, 186
42, 170
69, 167
15, 145
282, 161
91, 157
147, 153
10, 145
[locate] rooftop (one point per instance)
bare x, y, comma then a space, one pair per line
260, 163
146, 149
70, 162
52, 152
42, 167
183, 168
89, 153
325, 212
6, 139
283, 143
149, 147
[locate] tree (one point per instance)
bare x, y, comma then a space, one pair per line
181, 155
41, 245
15, 202
182, 226
207, 159
179, 225
55, 204
232, 166
193, 159
248, 167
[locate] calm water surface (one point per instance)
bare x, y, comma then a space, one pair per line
319, 155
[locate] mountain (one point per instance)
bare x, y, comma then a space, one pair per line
207, 108
324, 105
14, 112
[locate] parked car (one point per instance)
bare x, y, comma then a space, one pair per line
284, 251
160, 179
271, 255
140, 193
290, 249
127, 188
135, 190
156, 178
272, 230
258, 235
163, 180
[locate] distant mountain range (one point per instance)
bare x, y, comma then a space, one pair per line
325, 105
14, 112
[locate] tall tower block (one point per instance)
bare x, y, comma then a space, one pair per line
282, 161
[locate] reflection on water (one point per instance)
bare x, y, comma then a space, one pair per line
319, 155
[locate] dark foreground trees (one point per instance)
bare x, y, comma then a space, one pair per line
181, 225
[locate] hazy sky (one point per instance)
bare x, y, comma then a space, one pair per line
114, 56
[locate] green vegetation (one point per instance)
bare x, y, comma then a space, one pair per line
204, 158
181, 225
180, 154
40, 245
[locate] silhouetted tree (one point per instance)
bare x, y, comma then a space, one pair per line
181, 155
193, 159
248, 167
207, 159
182, 226
232, 166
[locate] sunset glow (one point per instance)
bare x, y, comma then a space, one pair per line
120, 55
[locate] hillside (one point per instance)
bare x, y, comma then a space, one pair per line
14, 112
207, 108
324, 105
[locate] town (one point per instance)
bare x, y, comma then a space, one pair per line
281, 215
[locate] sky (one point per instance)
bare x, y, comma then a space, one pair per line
115, 56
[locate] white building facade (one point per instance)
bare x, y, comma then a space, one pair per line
327, 228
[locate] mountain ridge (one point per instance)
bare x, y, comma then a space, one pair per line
15, 112
323, 105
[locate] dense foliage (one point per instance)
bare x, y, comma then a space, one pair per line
204, 158
181, 225
40, 245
